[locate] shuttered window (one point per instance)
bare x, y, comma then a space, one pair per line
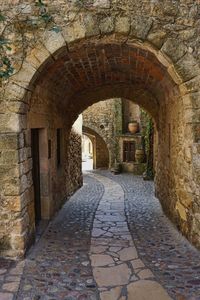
128, 151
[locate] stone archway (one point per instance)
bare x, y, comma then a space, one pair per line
105, 57
100, 150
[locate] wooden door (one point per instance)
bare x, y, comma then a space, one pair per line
128, 151
36, 172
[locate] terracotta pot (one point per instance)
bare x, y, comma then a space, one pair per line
133, 127
139, 155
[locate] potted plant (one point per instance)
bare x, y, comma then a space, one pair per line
133, 126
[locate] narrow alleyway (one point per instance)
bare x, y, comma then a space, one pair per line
110, 241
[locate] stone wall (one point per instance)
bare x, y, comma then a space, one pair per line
105, 119
145, 51
74, 159
56, 182
110, 120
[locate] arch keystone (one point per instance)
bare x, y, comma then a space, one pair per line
106, 25
122, 25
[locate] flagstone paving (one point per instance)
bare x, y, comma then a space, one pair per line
110, 241
117, 269
171, 258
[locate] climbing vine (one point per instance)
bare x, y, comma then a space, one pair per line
22, 24
148, 138
6, 68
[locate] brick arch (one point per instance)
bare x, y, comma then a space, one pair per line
70, 78
101, 151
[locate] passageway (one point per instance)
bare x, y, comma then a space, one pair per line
111, 240
66, 83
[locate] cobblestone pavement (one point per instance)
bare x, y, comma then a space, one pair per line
118, 270
171, 258
10, 274
77, 258
58, 267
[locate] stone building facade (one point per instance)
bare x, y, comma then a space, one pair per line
109, 120
144, 51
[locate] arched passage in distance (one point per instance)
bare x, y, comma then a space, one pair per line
100, 149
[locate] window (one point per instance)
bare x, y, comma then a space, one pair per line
58, 138
128, 151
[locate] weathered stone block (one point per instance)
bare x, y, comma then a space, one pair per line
21, 224
14, 92
26, 166
191, 100
74, 31
157, 38
182, 211
101, 3
18, 242
185, 198
122, 25
174, 49
190, 86
4, 243
187, 67
12, 187
37, 56
106, 25
140, 26
9, 157
91, 25
53, 41
17, 107
9, 141
25, 75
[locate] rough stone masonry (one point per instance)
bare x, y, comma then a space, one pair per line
143, 51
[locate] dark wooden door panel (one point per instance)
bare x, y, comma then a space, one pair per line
36, 172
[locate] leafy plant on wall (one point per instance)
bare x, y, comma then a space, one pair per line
148, 138
24, 21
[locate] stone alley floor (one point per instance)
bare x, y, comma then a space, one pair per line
110, 241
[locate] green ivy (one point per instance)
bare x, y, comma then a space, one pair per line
2, 18
43, 16
147, 135
43, 13
81, 3
6, 68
